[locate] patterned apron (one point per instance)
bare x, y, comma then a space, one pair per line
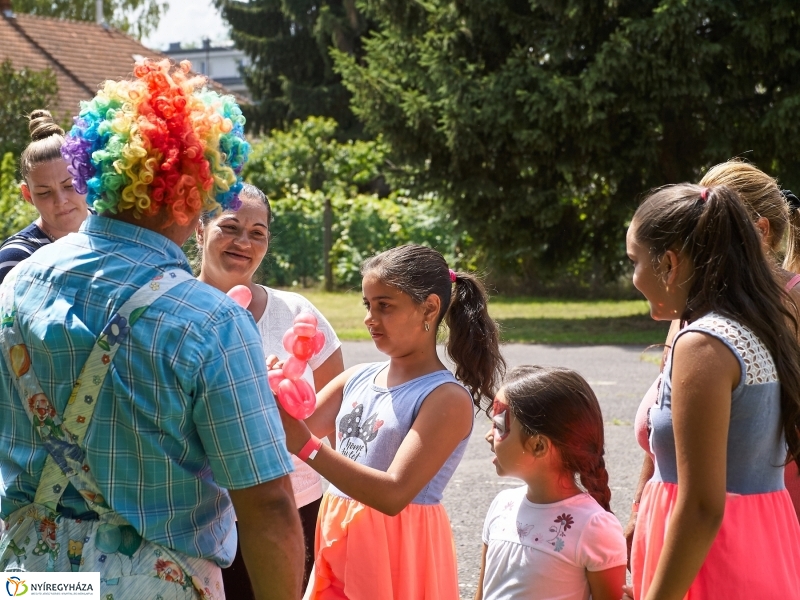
37, 537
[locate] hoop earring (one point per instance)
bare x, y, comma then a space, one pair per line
427, 327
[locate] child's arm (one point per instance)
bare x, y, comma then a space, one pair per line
607, 585
444, 420
479, 591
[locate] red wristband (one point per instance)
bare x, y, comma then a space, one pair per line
309, 451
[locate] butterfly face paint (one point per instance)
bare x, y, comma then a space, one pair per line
501, 420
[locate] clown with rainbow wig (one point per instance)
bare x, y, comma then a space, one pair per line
158, 142
140, 424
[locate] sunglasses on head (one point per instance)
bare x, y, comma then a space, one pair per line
501, 420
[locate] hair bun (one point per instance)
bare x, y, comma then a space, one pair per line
42, 125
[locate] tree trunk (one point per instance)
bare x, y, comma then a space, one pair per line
327, 244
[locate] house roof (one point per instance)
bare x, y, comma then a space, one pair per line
82, 55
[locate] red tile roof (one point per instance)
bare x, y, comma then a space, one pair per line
82, 55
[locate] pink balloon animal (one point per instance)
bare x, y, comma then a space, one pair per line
241, 294
302, 341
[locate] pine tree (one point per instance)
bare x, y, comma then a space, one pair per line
543, 122
291, 73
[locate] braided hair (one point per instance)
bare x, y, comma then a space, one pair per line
558, 403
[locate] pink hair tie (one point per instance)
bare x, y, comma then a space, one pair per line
452, 276
704, 194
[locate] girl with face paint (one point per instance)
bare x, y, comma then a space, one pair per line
549, 538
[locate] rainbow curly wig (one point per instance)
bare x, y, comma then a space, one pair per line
161, 141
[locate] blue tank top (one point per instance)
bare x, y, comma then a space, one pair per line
373, 421
756, 444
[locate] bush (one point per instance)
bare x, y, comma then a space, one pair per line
17, 213
300, 168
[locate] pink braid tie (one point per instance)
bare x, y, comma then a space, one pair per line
452, 276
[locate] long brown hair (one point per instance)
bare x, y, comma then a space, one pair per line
731, 276
473, 341
558, 404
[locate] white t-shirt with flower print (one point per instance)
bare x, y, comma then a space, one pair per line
542, 551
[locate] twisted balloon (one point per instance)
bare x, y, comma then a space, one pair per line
302, 341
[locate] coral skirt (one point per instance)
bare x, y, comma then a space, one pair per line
363, 554
756, 553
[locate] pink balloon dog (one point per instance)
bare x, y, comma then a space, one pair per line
241, 294
302, 341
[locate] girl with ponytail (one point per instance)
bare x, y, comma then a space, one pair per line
775, 212
549, 538
715, 520
400, 429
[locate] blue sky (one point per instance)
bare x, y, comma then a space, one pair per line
187, 21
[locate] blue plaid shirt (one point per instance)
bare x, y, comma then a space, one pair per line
185, 411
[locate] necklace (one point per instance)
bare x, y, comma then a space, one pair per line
40, 225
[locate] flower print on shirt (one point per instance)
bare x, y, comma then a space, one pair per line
355, 433
564, 522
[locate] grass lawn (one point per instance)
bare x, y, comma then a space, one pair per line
531, 320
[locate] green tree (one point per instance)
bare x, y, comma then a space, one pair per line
291, 74
541, 122
135, 17
21, 91
17, 213
301, 168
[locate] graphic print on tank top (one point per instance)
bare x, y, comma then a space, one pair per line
355, 432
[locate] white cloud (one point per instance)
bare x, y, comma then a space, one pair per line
188, 21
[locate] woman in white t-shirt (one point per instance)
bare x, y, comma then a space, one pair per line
548, 539
233, 244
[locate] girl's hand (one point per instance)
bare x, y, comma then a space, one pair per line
628, 532
274, 363
627, 592
297, 434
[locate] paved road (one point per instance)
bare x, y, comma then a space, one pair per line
619, 376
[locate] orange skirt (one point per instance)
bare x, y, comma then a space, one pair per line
363, 554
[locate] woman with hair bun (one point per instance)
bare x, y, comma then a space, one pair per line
47, 185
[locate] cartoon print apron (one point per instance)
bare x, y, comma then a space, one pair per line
37, 537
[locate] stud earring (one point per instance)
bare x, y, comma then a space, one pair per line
427, 327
